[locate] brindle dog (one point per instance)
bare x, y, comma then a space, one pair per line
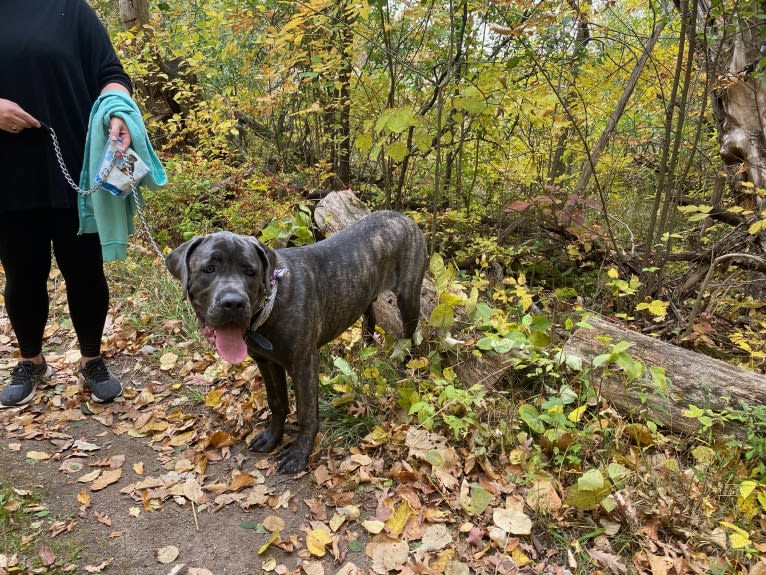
281, 306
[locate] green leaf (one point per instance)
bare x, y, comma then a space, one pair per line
618, 473
397, 151
442, 317
422, 141
531, 417
363, 142
480, 499
592, 480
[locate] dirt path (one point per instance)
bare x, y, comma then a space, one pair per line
245, 519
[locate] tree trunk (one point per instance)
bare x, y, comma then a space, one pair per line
693, 379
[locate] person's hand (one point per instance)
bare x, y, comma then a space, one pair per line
13, 118
118, 129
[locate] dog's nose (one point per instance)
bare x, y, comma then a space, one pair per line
233, 302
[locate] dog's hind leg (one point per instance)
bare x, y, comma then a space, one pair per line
276, 394
408, 303
368, 325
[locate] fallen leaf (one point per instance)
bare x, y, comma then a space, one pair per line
182, 438
221, 439
395, 524
373, 526
46, 555
138, 468
543, 497
387, 554
103, 518
84, 498
213, 397
106, 479
317, 540
274, 538
660, 565
350, 569
435, 538
312, 568
88, 477
193, 492
100, 567
242, 480
168, 361
38, 455
274, 523
512, 521
167, 554
612, 562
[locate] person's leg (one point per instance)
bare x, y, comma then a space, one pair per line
80, 261
25, 252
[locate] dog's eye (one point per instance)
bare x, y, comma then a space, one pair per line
250, 272
209, 269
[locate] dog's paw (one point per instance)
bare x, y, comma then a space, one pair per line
292, 459
265, 441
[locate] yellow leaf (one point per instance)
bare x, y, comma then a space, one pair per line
182, 438
739, 538
757, 227
275, 537
746, 488
83, 497
576, 414
317, 540
213, 398
373, 526
398, 520
336, 521
519, 558
613, 273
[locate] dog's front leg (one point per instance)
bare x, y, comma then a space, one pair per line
305, 376
276, 394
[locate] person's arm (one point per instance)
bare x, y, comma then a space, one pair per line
117, 128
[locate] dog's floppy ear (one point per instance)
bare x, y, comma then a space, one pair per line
177, 261
268, 259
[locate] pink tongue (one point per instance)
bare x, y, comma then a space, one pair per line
230, 343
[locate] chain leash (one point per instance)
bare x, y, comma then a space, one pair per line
139, 201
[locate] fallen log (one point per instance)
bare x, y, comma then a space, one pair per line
693, 379
342, 208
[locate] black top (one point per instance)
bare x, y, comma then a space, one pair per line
55, 58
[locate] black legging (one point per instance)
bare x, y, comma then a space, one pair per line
25, 252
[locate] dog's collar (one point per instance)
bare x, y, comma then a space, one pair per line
263, 314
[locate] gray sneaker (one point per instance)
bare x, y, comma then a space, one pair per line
25, 378
104, 387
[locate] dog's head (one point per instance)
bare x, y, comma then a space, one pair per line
226, 277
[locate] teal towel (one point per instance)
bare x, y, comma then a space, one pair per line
101, 212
